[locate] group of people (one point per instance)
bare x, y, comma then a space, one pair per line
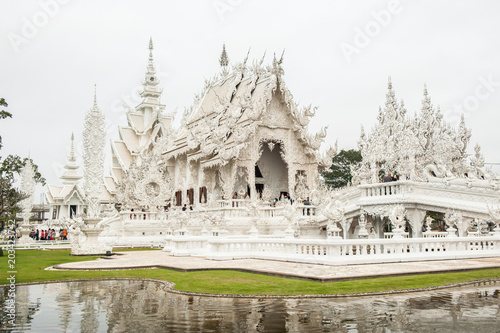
49, 234
390, 178
184, 208
283, 197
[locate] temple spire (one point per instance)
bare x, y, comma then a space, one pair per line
71, 156
151, 50
151, 71
151, 92
95, 97
71, 176
224, 60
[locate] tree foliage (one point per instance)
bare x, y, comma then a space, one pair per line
3, 114
10, 168
339, 174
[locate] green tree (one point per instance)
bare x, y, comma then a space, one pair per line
10, 167
4, 114
339, 174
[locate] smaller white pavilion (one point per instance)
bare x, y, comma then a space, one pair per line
67, 201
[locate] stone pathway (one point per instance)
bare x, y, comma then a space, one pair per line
152, 259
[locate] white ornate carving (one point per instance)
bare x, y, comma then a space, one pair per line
453, 219
420, 148
94, 137
153, 190
397, 216
28, 189
301, 187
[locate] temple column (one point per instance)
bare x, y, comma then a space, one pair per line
416, 217
346, 225
291, 181
251, 179
378, 226
228, 177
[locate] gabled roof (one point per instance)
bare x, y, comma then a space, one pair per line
62, 194
123, 155
54, 190
129, 137
75, 191
110, 184
136, 121
231, 108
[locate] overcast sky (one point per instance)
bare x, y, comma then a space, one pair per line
338, 56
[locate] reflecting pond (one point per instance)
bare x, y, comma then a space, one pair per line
145, 306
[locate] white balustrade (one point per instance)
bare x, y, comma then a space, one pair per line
141, 216
388, 235
435, 234
306, 210
382, 189
328, 251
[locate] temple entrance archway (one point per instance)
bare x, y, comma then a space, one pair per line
273, 170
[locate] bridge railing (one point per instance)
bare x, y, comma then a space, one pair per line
435, 234
382, 189
294, 249
388, 235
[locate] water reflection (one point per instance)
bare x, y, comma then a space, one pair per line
145, 306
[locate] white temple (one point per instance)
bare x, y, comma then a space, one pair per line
209, 187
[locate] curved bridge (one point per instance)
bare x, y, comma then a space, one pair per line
473, 200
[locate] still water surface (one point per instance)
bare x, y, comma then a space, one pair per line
145, 306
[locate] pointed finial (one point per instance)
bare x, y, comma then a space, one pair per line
150, 49
262, 60
223, 60
71, 156
281, 58
95, 94
246, 58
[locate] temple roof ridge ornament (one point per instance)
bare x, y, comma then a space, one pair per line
224, 60
277, 69
419, 148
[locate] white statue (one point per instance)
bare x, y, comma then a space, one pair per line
397, 217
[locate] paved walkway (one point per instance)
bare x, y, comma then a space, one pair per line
151, 259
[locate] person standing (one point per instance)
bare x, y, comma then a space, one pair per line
388, 178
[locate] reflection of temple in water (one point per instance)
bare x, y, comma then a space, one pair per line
132, 306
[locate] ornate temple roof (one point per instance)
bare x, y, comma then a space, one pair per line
231, 106
145, 123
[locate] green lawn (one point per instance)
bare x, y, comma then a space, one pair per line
30, 266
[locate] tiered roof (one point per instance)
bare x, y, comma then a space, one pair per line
145, 124
224, 116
